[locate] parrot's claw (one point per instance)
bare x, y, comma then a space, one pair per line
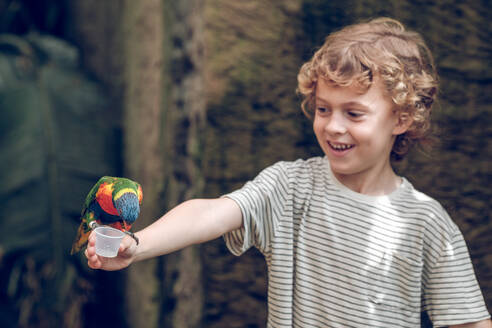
131, 234
135, 237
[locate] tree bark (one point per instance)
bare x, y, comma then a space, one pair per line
184, 124
143, 31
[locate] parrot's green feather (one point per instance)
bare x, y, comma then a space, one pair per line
122, 183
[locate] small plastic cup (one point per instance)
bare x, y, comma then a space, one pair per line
108, 241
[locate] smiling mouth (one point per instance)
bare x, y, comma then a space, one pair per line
340, 146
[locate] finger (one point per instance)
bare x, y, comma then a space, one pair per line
92, 239
94, 264
94, 261
126, 243
90, 250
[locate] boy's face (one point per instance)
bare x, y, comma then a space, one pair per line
356, 131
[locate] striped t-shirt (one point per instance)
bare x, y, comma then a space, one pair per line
337, 258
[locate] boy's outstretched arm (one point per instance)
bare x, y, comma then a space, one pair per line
192, 222
480, 324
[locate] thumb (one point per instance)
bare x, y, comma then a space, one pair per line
126, 243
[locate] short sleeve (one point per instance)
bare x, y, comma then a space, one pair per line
451, 292
262, 202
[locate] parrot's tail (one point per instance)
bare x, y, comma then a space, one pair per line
81, 239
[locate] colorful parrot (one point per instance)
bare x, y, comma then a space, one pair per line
111, 201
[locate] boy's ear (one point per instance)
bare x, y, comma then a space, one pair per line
403, 124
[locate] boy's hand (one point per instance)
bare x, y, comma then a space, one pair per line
124, 258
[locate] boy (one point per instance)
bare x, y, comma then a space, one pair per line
348, 243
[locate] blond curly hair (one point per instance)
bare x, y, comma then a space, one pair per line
381, 47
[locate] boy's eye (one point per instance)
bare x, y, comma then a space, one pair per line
322, 110
354, 114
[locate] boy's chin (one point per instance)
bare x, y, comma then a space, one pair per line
346, 168
341, 170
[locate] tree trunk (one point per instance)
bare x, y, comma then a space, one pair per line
143, 130
184, 123
150, 55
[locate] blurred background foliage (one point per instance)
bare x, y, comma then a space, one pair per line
192, 98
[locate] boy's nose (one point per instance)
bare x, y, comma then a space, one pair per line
335, 125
